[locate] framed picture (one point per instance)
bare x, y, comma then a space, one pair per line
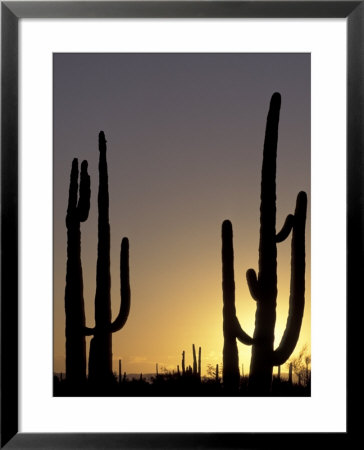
140, 143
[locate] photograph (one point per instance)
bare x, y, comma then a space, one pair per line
181, 225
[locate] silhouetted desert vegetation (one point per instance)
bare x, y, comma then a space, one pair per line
174, 384
225, 380
187, 381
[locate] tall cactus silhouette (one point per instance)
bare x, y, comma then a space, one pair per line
263, 287
100, 360
77, 212
231, 326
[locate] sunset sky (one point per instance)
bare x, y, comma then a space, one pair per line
185, 139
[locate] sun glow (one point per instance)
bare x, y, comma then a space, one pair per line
171, 190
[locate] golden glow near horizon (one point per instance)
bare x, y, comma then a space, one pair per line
179, 304
185, 138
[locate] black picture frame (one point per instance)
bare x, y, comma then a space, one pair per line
11, 12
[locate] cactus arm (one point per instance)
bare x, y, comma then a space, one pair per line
72, 195
83, 207
123, 315
78, 211
286, 229
240, 334
297, 295
88, 331
251, 278
229, 311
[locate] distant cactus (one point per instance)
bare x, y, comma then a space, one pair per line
119, 371
195, 369
100, 361
183, 363
290, 373
77, 212
217, 373
263, 287
194, 360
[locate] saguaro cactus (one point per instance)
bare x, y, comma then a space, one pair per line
77, 212
263, 287
183, 363
231, 326
196, 365
100, 361
194, 360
